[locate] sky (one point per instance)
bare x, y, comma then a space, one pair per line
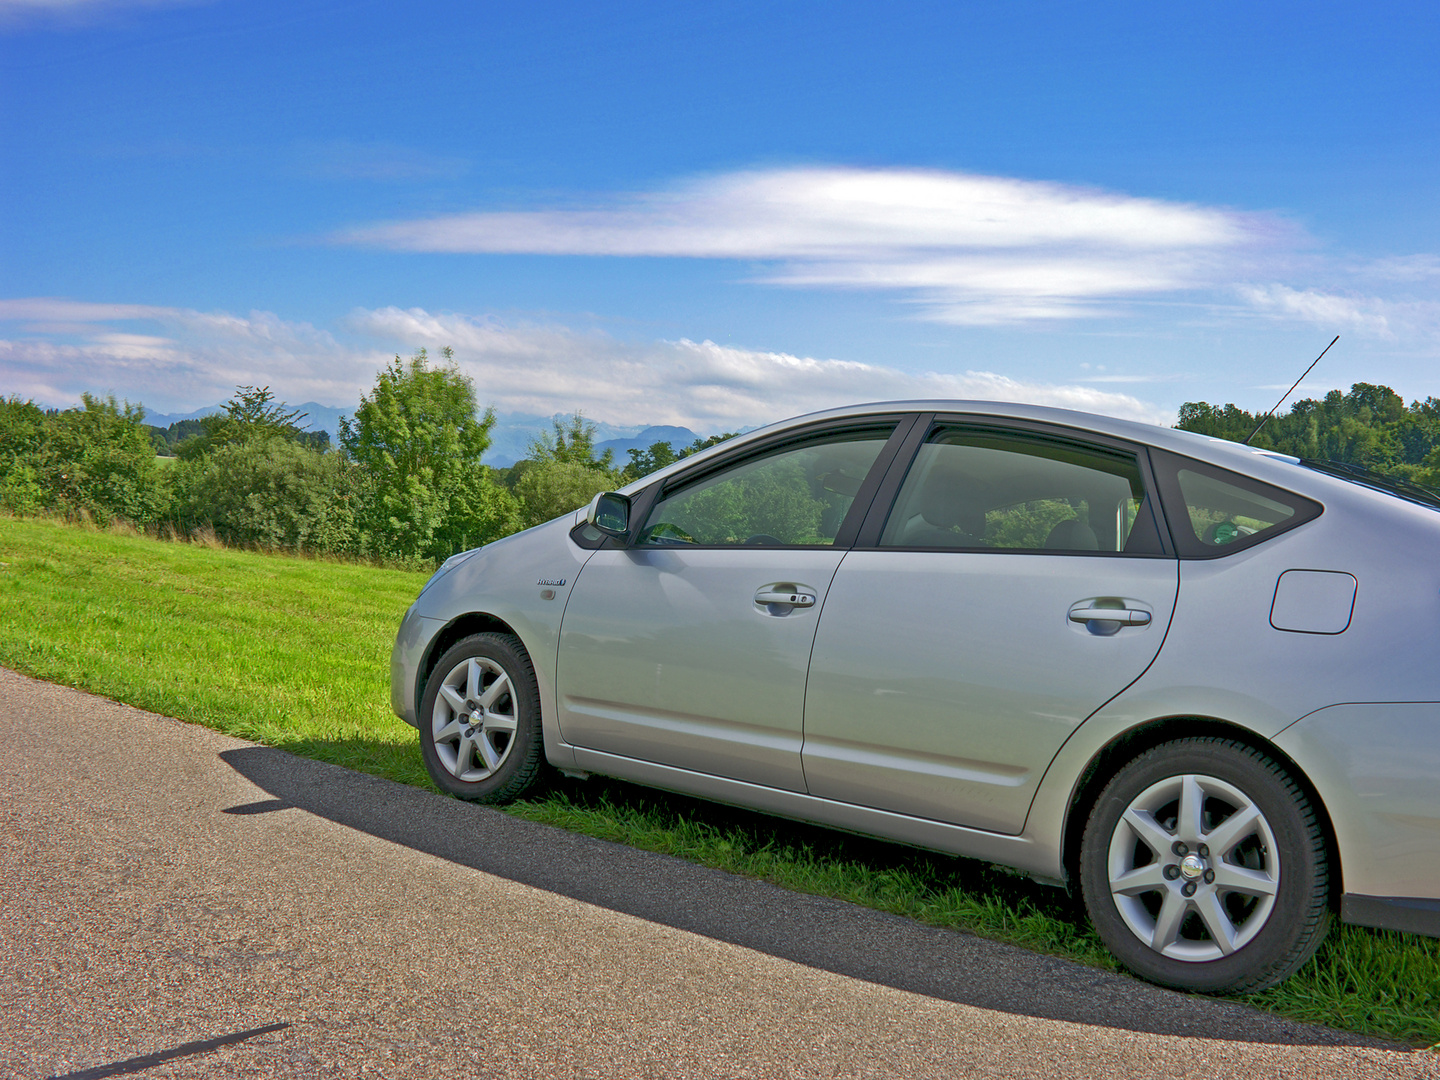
719, 215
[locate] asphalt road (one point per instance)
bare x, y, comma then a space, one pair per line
180, 903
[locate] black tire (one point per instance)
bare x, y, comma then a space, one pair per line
1167, 935
484, 751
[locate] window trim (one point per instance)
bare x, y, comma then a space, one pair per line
1167, 471
643, 502
888, 495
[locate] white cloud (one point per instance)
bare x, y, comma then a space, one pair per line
969, 249
1367, 314
1413, 268
65, 347
544, 369
177, 359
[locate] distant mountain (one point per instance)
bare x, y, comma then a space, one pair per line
509, 439
677, 437
511, 436
319, 417
164, 420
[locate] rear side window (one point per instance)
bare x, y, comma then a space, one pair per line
978, 490
1214, 512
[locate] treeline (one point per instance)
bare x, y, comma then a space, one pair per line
168, 440
404, 484
1371, 426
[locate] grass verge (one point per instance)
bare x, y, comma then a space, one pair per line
291, 652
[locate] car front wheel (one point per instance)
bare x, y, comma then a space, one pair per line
480, 720
1203, 867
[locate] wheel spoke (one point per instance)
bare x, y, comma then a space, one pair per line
1143, 824
474, 680
453, 698
492, 759
1216, 921
499, 722
498, 689
1142, 880
450, 730
1232, 830
1189, 823
463, 750
1233, 878
1167, 923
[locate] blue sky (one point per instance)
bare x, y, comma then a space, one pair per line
719, 215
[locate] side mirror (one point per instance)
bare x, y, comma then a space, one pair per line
610, 513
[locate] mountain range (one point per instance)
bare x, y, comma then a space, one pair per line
509, 439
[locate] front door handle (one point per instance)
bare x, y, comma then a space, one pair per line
797, 598
1123, 616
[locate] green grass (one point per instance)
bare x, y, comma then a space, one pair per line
293, 653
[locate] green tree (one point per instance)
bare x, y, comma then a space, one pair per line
272, 492
652, 459
417, 440
548, 489
22, 432
99, 461
572, 442
251, 414
1369, 426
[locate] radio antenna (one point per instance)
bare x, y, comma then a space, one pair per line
1287, 393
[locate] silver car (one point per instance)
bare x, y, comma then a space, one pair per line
1194, 679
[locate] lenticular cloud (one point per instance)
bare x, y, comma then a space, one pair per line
966, 248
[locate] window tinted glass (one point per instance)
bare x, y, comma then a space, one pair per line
1220, 512
795, 496
969, 489
1213, 511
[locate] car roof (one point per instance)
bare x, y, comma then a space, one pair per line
1280, 469
1188, 443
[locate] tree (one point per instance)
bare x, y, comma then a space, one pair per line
272, 492
1369, 426
572, 443
251, 414
550, 488
99, 461
417, 441
22, 432
652, 459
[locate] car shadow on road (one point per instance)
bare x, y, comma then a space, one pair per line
820, 932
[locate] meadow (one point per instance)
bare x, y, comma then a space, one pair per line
293, 652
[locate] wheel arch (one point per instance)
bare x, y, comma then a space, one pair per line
1132, 743
474, 622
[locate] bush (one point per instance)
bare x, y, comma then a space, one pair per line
93, 462
272, 492
551, 488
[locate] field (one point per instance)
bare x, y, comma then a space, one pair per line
293, 653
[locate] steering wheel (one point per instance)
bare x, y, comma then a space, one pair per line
764, 538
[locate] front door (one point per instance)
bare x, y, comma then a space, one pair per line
689, 647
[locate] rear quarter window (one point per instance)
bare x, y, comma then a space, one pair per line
1213, 512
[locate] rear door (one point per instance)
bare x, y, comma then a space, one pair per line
1011, 580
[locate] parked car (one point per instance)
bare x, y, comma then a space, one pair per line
1194, 679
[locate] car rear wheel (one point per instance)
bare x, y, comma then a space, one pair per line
480, 720
1203, 867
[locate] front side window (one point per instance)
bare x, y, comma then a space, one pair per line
978, 490
795, 496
